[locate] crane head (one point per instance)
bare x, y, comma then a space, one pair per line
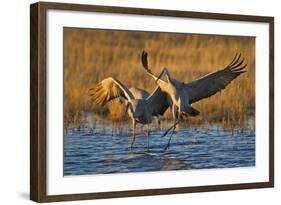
164, 72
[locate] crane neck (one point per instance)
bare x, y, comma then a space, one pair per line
168, 76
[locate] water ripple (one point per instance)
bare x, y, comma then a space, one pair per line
96, 153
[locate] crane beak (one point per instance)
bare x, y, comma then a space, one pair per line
159, 76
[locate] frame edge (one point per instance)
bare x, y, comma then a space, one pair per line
34, 186
271, 101
154, 12
38, 102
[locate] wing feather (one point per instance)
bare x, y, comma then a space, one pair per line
109, 89
139, 93
214, 82
158, 102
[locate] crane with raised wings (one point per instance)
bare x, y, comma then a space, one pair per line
183, 94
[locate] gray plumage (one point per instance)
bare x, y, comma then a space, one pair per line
140, 109
139, 93
184, 94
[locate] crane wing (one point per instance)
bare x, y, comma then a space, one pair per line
158, 102
139, 93
214, 82
109, 89
144, 61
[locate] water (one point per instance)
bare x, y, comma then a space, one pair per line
102, 151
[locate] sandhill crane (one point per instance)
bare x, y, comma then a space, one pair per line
139, 110
139, 94
184, 94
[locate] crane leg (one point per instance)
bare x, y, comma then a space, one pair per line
147, 134
172, 127
134, 134
176, 118
176, 121
159, 123
168, 144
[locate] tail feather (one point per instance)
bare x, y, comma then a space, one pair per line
192, 112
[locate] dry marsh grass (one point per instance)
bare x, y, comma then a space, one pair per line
91, 55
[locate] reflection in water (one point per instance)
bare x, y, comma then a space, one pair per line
101, 151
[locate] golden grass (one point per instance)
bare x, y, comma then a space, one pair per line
91, 55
